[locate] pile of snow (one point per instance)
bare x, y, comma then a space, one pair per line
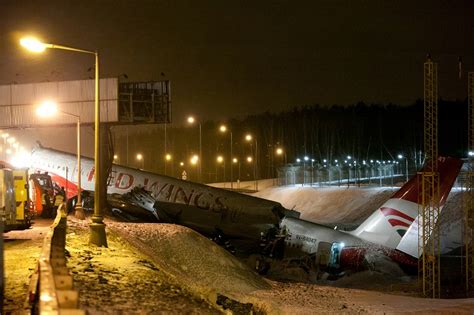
328, 205
194, 259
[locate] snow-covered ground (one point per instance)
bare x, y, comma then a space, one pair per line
165, 268
209, 278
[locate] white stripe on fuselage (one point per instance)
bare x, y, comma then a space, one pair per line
377, 229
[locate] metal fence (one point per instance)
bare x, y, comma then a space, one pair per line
319, 176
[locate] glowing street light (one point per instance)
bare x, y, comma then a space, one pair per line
115, 157
191, 121
249, 138
168, 157
400, 156
249, 159
223, 129
48, 109
279, 151
97, 236
141, 159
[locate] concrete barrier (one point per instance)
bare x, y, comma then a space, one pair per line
51, 286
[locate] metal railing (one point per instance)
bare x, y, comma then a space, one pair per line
51, 287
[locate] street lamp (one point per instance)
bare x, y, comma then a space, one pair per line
97, 236
141, 159
191, 121
48, 109
249, 138
220, 160
223, 129
406, 165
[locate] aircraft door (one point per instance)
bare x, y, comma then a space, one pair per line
335, 257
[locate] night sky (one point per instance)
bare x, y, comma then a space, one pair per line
229, 58
232, 58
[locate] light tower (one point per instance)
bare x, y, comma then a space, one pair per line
468, 195
428, 181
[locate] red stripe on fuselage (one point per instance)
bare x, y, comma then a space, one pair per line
389, 211
395, 222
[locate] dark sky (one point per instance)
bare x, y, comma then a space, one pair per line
229, 58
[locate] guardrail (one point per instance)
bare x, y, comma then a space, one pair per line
51, 286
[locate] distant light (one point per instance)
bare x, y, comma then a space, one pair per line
115, 156
223, 128
181, 163
400, 156
335, 161
279, 151
341, 245
139, 156
234, 160
47, 109
349, 157
371, 161
194, 159
191, 119
298, 160
168, 157
249, 159
325, 161
363, 162
21, 159
312, 160
345, 161
248, 137
306, 158
220, 159
471, 153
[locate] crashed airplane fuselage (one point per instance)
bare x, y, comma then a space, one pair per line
241, 216
390, 231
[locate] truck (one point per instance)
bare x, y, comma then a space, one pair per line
8, 208
24, 196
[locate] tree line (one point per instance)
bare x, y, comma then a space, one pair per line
362, 131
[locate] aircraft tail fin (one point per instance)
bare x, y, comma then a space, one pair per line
388, 225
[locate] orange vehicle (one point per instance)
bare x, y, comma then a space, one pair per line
42, 194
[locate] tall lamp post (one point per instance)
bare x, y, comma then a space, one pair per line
406, 165
48, 109
249, 138
220, 160
141, 159
223, 128
192, 120
97, 236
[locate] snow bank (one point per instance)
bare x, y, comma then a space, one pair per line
328, 205
192, 258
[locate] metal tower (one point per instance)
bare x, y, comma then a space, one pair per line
468, 195
428, 183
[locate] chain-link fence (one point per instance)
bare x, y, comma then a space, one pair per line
330, 175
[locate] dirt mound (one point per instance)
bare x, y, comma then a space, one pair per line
193, 259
